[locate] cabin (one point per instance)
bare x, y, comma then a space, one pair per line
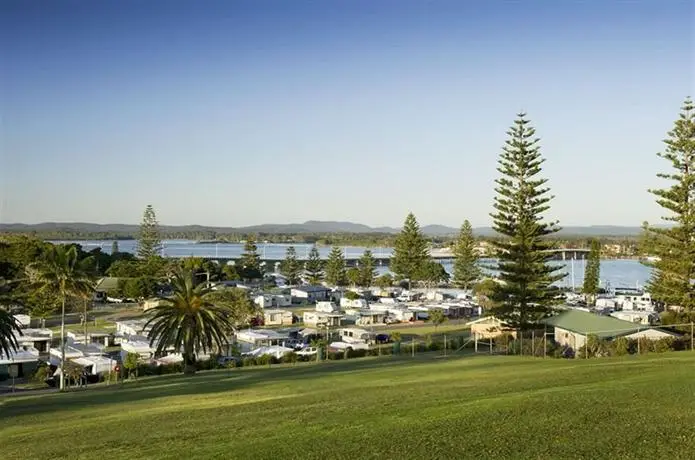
129, 328
321, 319
309, 294
572, 327
489, 327
25, 361
39, 339
327, 307
277, 317
101, 338
367, 317
273, 300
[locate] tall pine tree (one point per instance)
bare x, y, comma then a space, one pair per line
367, 269
673, 277
249, 266
592, 272
290, 267
410, 254
336, 273
524, 297
466, 270
149, 238
314, 267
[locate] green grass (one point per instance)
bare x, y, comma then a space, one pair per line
421, 331
471, 407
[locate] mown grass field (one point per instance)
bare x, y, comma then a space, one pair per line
469, 407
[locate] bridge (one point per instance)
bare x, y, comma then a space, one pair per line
383, 257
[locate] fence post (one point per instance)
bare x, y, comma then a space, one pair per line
490, 344
444, 345
692, 336
545, 343
413, 346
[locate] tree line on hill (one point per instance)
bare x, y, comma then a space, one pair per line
522, 296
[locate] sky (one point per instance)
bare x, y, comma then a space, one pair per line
234, 113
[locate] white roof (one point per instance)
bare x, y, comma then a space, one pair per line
24, 320
260, 334
136, 346
20, 356
171, 359
35, 334
70, 352
98, 360
276, 311
274, 350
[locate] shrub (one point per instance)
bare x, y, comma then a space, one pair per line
41, 374
264, 360
290, 358
247, 362
621, 346
333, 355
433, 346
663, 345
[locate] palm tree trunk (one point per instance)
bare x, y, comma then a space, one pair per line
85, 322
62, 346
188, 364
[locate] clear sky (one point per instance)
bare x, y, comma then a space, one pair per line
247, 112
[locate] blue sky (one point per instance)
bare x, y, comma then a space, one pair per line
249, 112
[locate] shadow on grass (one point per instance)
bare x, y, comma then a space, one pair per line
209, 382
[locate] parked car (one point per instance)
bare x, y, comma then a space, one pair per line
223, 360
293, 343
383, 338
342, 346
309, 351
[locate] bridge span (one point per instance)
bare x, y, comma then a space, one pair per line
383, 258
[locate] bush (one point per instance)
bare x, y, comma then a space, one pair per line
247, 362
621, 346
663, 345
264, 360
290, 358
41, 374
335, 356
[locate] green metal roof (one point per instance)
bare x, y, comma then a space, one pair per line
586, 323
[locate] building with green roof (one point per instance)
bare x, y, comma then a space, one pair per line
572, 327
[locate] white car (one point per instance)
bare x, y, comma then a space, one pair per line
309, 351
349, 346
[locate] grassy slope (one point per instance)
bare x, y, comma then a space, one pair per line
474, 407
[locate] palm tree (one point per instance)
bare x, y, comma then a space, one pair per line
63, 274
9, 329
191, 320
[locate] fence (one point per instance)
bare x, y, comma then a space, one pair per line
594, 343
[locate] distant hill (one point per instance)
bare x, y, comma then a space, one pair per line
311, 226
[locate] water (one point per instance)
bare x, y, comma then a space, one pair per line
616, 272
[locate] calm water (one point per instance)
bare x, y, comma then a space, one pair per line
619, 273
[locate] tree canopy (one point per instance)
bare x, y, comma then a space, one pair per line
525, 296
149, 238
336, 272
410, 251
466, 270
673, 276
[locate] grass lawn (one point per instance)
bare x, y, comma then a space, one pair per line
470, 407
421, 331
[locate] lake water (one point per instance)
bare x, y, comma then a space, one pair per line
617, 273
